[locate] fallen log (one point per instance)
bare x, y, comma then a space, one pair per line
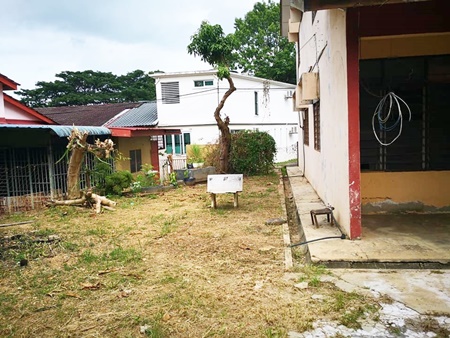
101, 200
69, 202
89, 199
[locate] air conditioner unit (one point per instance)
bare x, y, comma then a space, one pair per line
307, 89
289, 94
293, 130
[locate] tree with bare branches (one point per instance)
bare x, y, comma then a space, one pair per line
78, 147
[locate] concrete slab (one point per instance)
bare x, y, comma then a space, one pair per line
388, 241
425, 291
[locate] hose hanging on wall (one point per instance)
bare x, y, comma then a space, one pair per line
383, 121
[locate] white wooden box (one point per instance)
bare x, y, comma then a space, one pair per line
226, 183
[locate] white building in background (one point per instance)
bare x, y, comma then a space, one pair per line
187, 101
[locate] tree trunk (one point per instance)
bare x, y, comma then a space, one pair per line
78, 146
225, 135
76, 159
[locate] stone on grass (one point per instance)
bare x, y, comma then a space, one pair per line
275, 221
302, 285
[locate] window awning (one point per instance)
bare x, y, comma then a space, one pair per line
61, 131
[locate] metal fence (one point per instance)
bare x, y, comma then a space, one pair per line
29, 177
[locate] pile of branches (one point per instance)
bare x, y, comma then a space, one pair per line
78, 147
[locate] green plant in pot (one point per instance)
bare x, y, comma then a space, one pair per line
188, 179
195, 155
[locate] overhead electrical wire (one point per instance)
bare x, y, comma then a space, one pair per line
382, 117
208, 91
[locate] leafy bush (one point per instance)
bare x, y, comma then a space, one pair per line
252, 153
147, 177
100, 172
173, 179
117, 181
136, 186
212, 155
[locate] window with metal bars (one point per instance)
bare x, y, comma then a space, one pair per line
424, 84
316, 109
305, 113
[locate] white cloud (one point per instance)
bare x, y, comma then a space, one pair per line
42, 38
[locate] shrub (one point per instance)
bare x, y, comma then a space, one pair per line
117, 181
252, 153
195, 154
212, 155
100, 172
147, 177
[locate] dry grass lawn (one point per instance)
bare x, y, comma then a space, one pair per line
166, 264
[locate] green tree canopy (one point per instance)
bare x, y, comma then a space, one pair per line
261, 50
90, 87
214, 47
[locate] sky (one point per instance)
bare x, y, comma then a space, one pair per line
40, 38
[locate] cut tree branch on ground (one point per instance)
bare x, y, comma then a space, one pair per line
89, 199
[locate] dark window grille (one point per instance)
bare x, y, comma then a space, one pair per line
305, 113
316, 108
424, 84
135, 160
30, 176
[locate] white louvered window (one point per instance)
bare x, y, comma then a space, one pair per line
170, 92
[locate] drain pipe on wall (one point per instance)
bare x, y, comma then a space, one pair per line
342, 236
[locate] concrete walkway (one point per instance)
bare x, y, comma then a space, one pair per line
413, 304
388, 241
399, 245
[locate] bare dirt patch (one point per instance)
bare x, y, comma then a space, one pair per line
165, 265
